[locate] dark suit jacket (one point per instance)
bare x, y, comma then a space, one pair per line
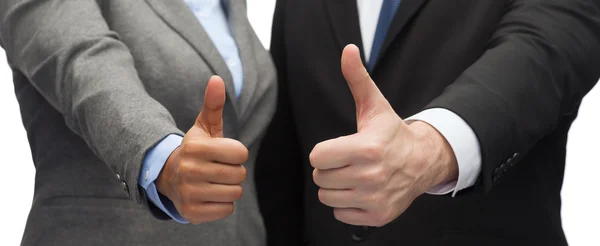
514, 70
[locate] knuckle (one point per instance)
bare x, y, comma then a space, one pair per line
203, 146
233, 174
188, 199
316, 156
196, 219
321, 195
338, 215
317, 177
182, 187
373, 151
379, 178
381, 219
184, 167
370, 200
242, 174
378, 223
186, 211
195, 148
191, 172
376, 219
219, 172
186, 149
374, 178
237, 149
185, 195
227, 210
324, 197
216, 129
198, 172
369, 178
243, 153
237, 193
365, 178
313, 158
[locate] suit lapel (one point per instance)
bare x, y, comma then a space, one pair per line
406, 11
178, 15
345, 23
242, 34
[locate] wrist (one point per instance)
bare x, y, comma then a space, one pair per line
167, 173
437, 154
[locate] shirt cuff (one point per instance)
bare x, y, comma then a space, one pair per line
464, 143
153, 163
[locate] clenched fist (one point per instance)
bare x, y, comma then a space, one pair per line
202, 177
371, 177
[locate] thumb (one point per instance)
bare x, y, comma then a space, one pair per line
211, 117
366, 95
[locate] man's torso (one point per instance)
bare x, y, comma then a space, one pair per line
430, 43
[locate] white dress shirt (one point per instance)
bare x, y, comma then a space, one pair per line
457, 132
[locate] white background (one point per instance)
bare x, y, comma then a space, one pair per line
581, 206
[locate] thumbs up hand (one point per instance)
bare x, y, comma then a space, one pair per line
371, 177
202, 177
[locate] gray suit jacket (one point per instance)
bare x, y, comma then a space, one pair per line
101, 82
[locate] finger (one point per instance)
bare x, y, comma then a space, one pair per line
352, 216
222, 150
366, 94
361, 85
338, 178
338, 198
217, 173
334, 153
215, 193
227, 174
211, 116
206, 212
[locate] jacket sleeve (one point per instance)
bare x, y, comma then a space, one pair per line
68, 53
542, 59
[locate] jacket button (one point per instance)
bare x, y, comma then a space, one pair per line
118, 176
124, 185
356, 238
359, 233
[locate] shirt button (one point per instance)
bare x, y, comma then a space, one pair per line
231, 63
204, 14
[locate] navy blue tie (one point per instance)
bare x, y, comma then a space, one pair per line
388, 10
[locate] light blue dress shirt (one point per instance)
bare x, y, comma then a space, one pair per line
211, 14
